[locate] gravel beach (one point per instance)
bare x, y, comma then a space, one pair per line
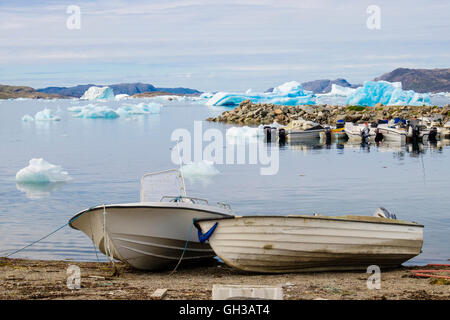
37, 279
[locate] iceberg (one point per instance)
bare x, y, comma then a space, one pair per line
46, 115
41, 171
339, 91
140, 108
386, 93
121, 96
98, 93
288, 94
27, 118
92, 111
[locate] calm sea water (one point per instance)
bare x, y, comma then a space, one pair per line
106, 159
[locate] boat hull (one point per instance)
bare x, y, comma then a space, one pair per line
301, 135
393, 135
148, 236
304, 244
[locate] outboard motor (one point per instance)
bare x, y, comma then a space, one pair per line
268, 133
432, 137
383, 213
378, 136
281, 136
328, 135
365, 134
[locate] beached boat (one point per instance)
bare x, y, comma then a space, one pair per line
276, 244
152, 233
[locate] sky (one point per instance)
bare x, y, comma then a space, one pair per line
217, 44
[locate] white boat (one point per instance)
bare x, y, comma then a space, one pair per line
392, 133
356, 132
445, 131
151, 234
300, 130
276, 244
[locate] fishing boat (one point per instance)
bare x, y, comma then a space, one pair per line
298, 130
151, 234
445, 131
303, 243
360, 132
392, 133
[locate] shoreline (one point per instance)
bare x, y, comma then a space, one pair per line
46, 279
248, 113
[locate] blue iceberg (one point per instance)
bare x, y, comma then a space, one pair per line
140, 108
92, 111
386, 93
287, 94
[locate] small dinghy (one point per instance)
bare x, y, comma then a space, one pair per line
298, 130
360, 132
301, 243
151, 234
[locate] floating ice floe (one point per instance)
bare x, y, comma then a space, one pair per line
199, 169
98, 93
121, 96
27, 118
387, 93
46, 115
40, 171
288, 94
92, 111
140, 108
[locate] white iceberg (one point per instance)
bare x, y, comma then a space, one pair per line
40, 171
199, 169
339, 91
386, 93
46, 115
27, 118
121, 96
98, 93
92, 111
288, 94
140, 108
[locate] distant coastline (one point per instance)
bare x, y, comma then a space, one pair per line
418, 80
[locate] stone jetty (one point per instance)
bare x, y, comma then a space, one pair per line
248, 113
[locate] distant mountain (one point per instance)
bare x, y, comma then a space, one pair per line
121, 88
420, 80
13, 92
324, 86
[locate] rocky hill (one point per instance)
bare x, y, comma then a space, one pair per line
420, 80
13, 92
121, 88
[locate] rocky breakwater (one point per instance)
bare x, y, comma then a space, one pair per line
249, 113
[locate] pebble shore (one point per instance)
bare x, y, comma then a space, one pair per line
248, 113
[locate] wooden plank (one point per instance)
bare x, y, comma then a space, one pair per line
159, 294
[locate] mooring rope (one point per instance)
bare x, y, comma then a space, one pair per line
184, 250
34, 242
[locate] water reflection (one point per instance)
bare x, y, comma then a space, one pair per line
38, 190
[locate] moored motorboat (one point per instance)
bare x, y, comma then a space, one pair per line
391, 133
151, 234
298, 130
360, 132
276, 244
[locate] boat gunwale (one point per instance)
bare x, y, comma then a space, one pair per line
145, 205
404, 223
